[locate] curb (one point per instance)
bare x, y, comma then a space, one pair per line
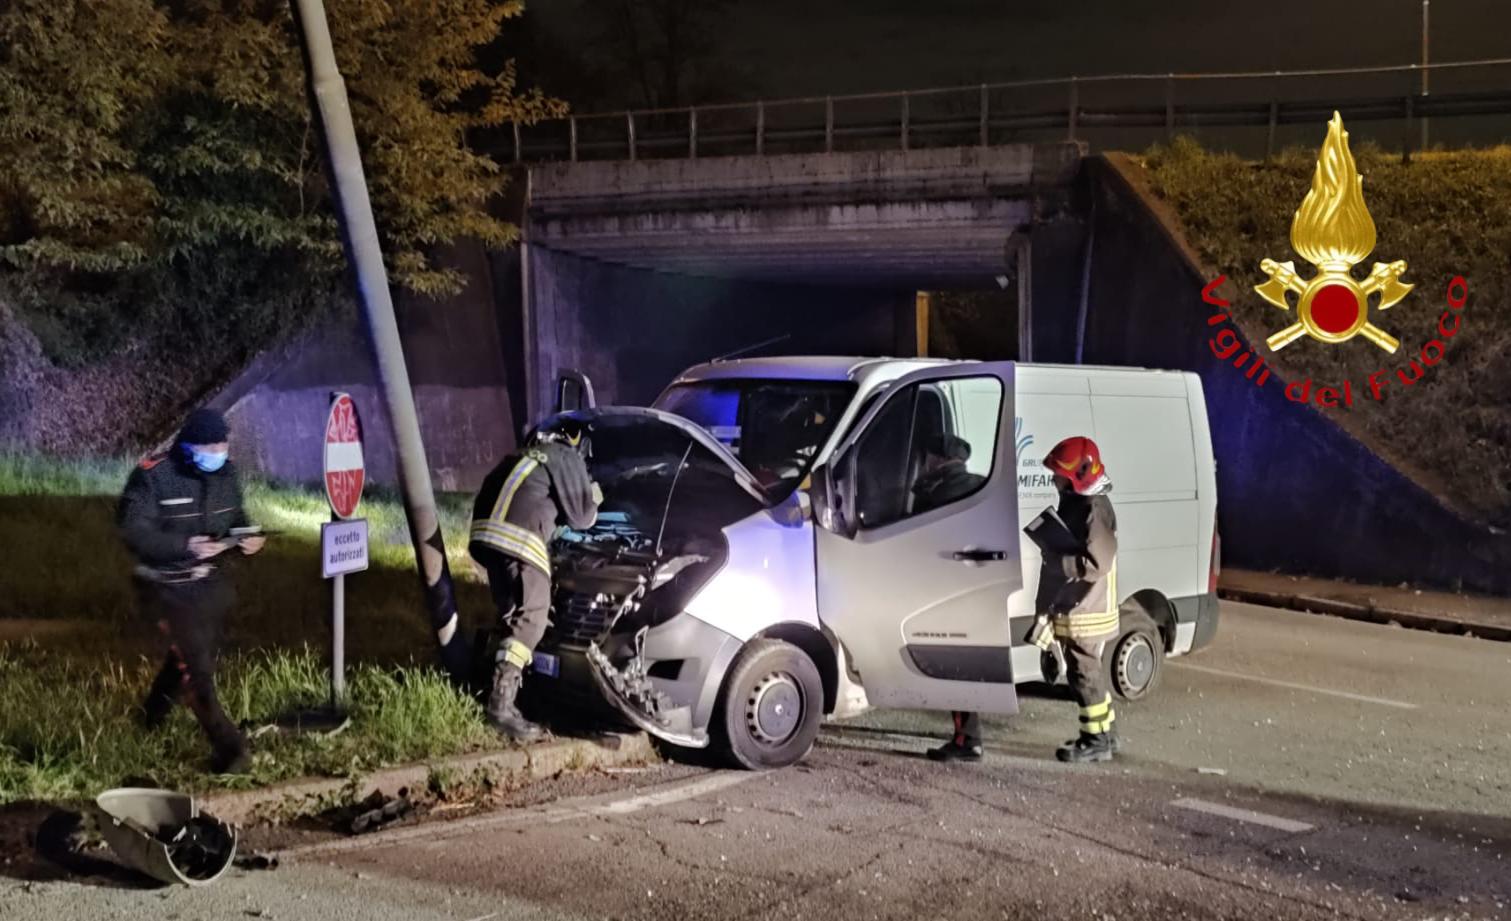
540, 761
1415, 620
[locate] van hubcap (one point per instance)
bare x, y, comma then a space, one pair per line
1135, 664
774, 709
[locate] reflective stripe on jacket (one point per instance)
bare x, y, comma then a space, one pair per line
1080, 593
1102, 617
521, 500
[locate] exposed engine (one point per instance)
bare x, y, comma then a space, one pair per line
611, 587
669, 492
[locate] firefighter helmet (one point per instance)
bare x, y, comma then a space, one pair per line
563, 430
1078, 460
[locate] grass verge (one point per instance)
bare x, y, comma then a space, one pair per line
76, 656
50, 752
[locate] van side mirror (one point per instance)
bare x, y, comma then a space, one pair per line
833, 501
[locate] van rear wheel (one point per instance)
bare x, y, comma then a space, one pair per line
1136, 658
771, 706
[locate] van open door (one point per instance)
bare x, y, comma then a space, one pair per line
573, 392
918, 543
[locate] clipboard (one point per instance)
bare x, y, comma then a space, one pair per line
1053, 536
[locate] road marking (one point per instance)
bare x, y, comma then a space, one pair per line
435, 832
1382, 701
1243, 815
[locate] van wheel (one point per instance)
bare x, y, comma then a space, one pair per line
1136, 659
769, 711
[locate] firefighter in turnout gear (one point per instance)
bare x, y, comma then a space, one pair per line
177, 516
520, 505
1077, 603
1080, 593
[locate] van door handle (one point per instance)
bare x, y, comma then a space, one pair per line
980, 556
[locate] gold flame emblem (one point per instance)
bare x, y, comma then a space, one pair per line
1333, 231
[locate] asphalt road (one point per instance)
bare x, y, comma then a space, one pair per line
1367, 775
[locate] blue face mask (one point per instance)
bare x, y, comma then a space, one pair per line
208, 461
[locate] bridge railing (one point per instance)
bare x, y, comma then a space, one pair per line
1466, 102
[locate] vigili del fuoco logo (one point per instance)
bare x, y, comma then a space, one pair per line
1334, 232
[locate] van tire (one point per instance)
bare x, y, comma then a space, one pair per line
754, 724
1135, 660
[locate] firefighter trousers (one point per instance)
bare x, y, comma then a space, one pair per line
522, 596
1088, 682
191, 617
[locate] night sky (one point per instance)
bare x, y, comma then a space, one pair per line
775, 48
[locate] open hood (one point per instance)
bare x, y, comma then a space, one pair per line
627, 441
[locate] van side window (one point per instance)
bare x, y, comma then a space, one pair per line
931, 445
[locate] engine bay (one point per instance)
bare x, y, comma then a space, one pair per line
657, 541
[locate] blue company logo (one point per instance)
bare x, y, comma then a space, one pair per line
1037, 478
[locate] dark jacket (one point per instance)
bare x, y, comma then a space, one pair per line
525, 497
167, 500
1082, 590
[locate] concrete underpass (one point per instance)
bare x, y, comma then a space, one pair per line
636, 269
631, 271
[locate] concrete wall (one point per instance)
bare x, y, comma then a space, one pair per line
1296, 493
633, 330
465, 365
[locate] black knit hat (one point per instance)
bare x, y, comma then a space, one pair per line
204, 426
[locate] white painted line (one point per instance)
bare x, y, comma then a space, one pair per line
1243, 815
674, 795
432, 834
1382, 701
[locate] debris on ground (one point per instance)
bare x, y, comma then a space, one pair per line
377, 811
257, 861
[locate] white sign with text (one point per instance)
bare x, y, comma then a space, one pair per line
343, 547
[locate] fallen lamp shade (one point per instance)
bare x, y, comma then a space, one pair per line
164, 835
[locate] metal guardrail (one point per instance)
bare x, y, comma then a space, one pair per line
1068, 108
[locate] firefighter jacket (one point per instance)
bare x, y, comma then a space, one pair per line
1080, 592
524, 498
167, 500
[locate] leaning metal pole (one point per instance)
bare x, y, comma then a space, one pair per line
359, 235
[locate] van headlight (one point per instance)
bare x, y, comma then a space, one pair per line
735, 597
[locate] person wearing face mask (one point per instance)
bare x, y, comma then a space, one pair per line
177, 516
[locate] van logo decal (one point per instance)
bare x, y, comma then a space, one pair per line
1032, 476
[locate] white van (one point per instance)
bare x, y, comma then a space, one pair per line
761, 559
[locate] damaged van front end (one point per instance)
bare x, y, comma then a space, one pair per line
651, 605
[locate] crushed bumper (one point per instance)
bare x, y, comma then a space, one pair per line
668, 686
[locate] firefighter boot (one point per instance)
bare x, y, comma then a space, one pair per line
502, 714
1088, 747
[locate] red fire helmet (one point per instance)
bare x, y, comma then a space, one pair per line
1078, 460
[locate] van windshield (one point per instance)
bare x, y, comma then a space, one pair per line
776, 428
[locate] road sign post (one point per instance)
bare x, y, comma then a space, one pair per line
343, 541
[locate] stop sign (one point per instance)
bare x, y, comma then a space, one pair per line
343, 456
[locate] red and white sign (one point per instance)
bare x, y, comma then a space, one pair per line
344, 472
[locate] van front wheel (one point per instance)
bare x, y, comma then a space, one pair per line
771, 706
1134, 661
